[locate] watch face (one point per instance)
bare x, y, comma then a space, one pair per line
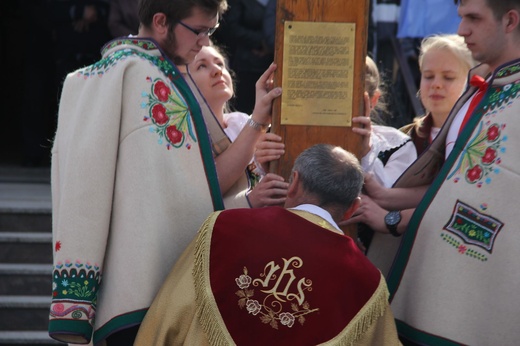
393, 218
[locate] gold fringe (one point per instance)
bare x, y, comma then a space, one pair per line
214, 326
207, 310
370, 313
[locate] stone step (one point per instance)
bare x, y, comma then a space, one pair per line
25, 247
26, 222
27, 338
13, 173
24, 313
25, 279
25, 207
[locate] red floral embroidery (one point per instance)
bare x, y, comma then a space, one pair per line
474, 174
170, 115
174, 135
489, 156
159, 114
57, 246
162, 91
493, 133
480, 158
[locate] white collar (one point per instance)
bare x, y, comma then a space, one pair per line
314, 209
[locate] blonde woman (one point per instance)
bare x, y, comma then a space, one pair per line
444, 62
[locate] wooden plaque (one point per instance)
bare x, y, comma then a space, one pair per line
320, 49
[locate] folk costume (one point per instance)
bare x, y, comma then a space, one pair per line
133, 176
454, 279
392, 152
421, 132
271, 276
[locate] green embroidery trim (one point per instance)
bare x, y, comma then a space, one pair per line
463, 249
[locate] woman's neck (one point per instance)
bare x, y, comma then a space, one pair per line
438, 119
218, 111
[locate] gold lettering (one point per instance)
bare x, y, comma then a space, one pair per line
281, 287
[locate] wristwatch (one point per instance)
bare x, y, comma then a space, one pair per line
392, 219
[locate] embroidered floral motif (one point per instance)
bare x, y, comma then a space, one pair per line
462, 249
169, 115
74, 291
72, 281
276, 305
474, 228
129, 47
481, 156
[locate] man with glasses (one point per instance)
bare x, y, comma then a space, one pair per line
133, 174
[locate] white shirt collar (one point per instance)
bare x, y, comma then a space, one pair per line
314, 209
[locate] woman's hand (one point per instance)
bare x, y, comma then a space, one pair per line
365, 127
265, 94
369, 213
268, 148
271, 190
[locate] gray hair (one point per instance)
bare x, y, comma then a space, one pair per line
330, 173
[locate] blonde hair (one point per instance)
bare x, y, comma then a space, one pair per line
372, 85
450, 42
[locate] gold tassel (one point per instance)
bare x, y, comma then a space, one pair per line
370, 313
207, 310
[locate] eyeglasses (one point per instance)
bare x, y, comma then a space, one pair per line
201, 33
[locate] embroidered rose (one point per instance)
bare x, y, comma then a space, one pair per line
493, 133
253, 306
159, 114
243, 281
474, 174
174, 135
287, 319
162, 91
489, 156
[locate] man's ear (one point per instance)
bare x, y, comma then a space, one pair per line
353, 207
292, 190
160, 23
512, 20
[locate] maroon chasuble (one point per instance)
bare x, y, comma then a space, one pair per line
278, 278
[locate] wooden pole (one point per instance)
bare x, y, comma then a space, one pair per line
311, 20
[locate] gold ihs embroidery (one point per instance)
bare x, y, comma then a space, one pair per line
284, 277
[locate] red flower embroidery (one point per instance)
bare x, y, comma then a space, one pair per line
159, 114
462, 249
489, 156
474, 174
174, 135
57, 246
162, 91
493, 132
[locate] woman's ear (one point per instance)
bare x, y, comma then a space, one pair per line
374, 99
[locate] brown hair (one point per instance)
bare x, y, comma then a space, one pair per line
499, 7
177, 10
